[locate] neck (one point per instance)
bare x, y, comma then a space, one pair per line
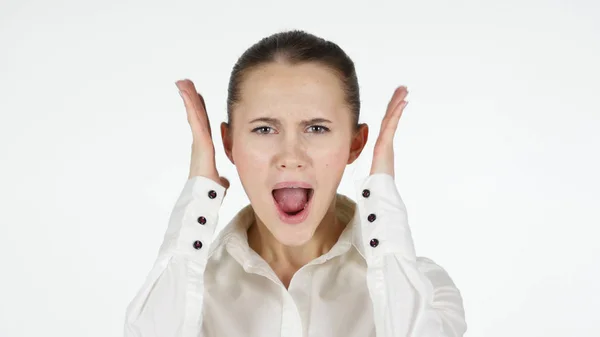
289, 259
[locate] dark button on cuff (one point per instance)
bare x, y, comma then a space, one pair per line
366, 193
212, 194
197, 244
202, 220
371, 217
374, 243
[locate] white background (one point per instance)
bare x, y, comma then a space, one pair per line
497, 154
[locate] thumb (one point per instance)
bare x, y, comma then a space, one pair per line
224, 182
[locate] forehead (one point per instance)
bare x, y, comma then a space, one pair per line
300, 89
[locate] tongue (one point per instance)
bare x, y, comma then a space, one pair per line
291, 199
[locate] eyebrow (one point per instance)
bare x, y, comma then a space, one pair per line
277, 122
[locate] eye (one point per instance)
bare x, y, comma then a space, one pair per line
262, 130
318, 129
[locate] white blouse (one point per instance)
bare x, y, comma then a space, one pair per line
369, 284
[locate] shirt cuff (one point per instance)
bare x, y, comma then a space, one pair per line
194, 218
383, 220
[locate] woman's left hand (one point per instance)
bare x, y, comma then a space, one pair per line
383, 153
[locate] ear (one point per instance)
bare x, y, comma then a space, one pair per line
226, 137
358, 142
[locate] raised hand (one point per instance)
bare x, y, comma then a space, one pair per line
202, 162
383, 153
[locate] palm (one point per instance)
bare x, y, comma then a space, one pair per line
203, 149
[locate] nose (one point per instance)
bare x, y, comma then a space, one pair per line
290, 163
292, 155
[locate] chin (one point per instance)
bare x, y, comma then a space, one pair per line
293, 237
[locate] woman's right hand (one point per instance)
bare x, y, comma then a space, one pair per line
202, 162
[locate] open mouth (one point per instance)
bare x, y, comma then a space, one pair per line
293, 204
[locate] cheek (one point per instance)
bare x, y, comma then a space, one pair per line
330, 161
250, 159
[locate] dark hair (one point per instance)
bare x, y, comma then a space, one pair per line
293, 47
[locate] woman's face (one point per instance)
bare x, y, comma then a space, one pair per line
292, 125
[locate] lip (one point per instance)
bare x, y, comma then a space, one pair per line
291, 184
298, 218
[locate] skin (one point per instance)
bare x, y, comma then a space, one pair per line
291, 124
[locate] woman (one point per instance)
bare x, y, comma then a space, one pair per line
301, 259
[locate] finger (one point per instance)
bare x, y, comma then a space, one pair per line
393, 109
193, 104
389, 130
199, 133
205, 114
224, 182
189, 88
202, 101
191, 117
196, 102
399, 94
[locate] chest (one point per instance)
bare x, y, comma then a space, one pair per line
329, 299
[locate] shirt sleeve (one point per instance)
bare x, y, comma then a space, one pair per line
411, 296
169, 302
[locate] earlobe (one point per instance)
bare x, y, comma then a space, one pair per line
359, 140
226, 138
